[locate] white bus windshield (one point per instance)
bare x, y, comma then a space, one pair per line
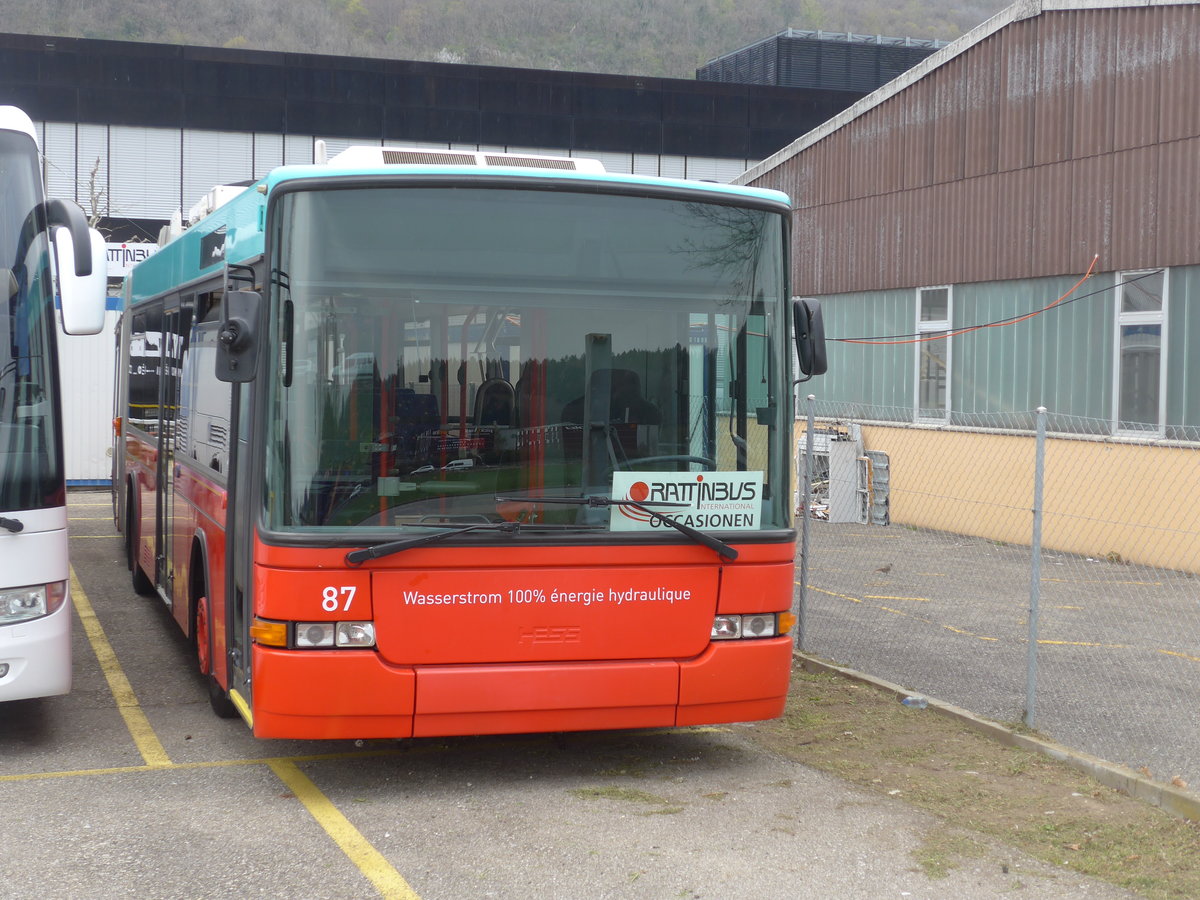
30, 445
436, 348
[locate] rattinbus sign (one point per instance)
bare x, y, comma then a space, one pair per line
706, 500
124, 256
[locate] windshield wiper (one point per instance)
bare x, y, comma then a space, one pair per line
355, 557
596, 502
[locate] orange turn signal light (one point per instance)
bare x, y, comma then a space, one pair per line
270, 634
787, 621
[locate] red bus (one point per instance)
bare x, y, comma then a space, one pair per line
419, 443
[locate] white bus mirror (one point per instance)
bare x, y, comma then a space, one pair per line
83, 296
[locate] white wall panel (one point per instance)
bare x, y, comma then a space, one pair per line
85, 365
214, 157
672, 167
621, 163
298, 150
58, 149
537, 151
414, 144
268, 153
707, 168
144, 166
645, 164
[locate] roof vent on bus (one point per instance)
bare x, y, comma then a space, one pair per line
218, 196
172, 230
435, 156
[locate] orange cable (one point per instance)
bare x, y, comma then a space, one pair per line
941, 335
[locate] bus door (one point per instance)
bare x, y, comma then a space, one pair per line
177, 325
239, 541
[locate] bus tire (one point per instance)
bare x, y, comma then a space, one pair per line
141, 583
218, 698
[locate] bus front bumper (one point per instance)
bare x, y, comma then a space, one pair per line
352, 694
36, 656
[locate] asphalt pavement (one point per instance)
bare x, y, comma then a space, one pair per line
130, 787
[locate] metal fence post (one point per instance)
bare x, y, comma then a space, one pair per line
1035, 569
806, 519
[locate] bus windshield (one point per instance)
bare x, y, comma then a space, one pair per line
452, 356
30, 446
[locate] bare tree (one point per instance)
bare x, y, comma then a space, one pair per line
95, 199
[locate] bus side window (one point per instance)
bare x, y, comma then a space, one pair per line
145, 361
207, 400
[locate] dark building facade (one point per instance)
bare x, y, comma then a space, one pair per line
127, 83
820, 60
138, 130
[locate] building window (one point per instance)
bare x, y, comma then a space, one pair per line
933, 354
1140, 367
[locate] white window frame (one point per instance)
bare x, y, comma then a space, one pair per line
924, 328
1122, 318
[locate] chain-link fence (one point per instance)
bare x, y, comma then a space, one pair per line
1028, 568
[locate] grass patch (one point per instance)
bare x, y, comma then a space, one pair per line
978, 787
944, 849
626, 795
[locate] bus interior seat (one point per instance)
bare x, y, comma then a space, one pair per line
495, 403
415, 414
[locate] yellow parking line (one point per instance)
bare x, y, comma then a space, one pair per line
202, 764
369, 861
1180, 655
966, 633
832, 593
143, 735
884, 597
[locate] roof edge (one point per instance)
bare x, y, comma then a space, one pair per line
1023, 9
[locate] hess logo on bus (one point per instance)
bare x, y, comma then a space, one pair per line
551, 634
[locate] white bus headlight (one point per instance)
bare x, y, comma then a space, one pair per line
314, 634
727, 628
356, 634
325, 635
32, 602
755, 625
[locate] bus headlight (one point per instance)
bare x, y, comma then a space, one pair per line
314, 634
323, 635
32, 602
755, 625
355, 634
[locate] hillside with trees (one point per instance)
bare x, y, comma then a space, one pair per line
643, 37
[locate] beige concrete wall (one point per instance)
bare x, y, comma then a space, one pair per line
1111, 500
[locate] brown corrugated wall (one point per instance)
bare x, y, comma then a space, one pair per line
1061, 136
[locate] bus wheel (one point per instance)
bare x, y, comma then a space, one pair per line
141, 584
217, 698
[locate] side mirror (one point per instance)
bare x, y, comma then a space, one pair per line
81, 260
238, 338
809, 334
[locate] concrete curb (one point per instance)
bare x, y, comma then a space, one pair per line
1166, 797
